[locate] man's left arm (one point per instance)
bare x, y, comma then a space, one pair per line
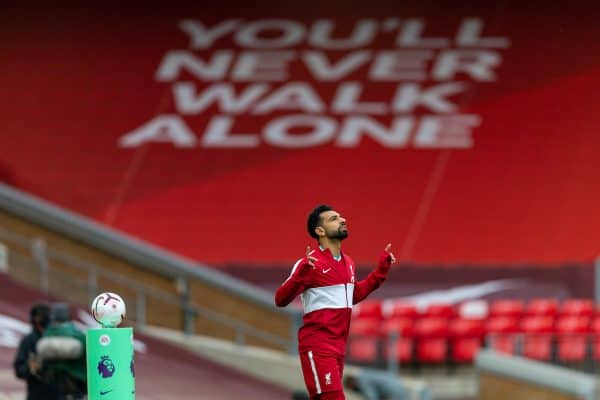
376, 277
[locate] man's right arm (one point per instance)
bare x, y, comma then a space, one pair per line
294, 284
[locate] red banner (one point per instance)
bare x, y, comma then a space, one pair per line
462, 135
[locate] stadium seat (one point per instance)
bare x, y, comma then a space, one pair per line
542, 307
363, 340
431, 339
577, 307
466, 338
370, 309
572, 338
403, 310
537, 337
507, 308
440, 310
501, 334
573, 324
404, 328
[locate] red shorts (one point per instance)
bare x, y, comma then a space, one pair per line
322, 373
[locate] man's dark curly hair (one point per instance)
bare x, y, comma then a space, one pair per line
314, 219
41, 313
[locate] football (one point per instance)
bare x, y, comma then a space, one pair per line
108, 309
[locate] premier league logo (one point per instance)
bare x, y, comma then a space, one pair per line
106, 368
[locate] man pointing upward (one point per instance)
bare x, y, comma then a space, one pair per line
325, 279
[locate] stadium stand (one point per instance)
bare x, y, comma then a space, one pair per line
63, 253
162, 370
466, 135
548, 330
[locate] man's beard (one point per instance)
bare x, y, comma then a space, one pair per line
339, 234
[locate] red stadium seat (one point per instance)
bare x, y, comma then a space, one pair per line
537, 337
370, 309
537, 324
573, 324
502, 334
542, 307
404, 329
431, 336
572, 337
580, 307
404, 310
466, 338
363, 340
507, 308
440, 310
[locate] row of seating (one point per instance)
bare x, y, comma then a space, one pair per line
478, 309
435, 340
542, 330
437, 326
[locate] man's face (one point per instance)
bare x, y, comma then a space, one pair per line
40, 322
333, 225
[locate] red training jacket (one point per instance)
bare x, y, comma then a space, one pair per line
328, 292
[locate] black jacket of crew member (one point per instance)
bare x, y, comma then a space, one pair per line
37, 389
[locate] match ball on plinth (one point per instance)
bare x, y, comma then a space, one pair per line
108, 309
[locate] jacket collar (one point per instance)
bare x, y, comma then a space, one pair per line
327, 252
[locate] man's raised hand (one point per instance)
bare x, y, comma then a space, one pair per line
310, 259
307, 264
388, 249
386, 259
